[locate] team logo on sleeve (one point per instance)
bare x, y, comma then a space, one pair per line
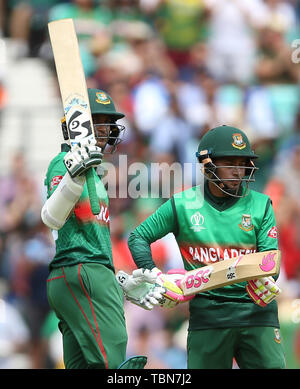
273, 233
55, 181
246, 223
277, 337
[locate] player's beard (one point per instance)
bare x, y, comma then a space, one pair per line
229, 190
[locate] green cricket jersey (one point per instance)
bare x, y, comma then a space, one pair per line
84, 237
207, 230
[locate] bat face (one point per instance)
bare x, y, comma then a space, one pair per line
71, 79
231, 271
73, 90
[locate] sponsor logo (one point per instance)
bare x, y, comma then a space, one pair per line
246, 223
197, 220
238, 141
199, 278
231, 271
55, 181
268, 263
84, 213
277, 335
75, 101
103, 214
273, 233
212, 254
102, 98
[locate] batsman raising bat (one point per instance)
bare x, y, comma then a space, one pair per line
226, 221
81, 287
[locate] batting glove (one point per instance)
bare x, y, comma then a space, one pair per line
173, 294
262, 291
140, 288
83, 156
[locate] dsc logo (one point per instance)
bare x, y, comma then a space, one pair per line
199, 278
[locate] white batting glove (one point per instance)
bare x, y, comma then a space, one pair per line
83, 156
140, 288
263, 290
173, 294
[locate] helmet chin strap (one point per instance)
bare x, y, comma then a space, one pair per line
221, 185
225, 189
228, 191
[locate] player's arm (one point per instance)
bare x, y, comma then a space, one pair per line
159, 224
64, 196
264, 290
156, 226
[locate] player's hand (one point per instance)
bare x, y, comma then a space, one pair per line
173, 294
140, 288
263, 290
83, 156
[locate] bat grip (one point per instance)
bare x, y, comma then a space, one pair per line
92, 192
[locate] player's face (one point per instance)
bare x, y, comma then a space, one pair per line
231, 170
102, 127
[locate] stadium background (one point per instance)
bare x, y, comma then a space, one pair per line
176, 68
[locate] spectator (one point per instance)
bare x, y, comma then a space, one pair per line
92, 27
14, 334
282, 13
231, 39
20, 204
181, 25
274, 65
32, 272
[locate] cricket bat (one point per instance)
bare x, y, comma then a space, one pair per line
230, 271
73, 90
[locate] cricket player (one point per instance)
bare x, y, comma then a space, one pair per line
224, 220
82, 288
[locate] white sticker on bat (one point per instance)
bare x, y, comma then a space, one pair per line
78, 124
231, 271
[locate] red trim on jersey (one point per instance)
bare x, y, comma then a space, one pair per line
94, 316
87, 320
55, 278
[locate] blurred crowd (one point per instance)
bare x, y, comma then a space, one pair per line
176, 68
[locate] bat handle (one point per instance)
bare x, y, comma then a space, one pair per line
92, 192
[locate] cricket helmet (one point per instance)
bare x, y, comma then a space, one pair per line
102, 103
226, 141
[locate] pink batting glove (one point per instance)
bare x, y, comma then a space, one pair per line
263, 290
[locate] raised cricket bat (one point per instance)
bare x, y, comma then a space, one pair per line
230, 271
73, 90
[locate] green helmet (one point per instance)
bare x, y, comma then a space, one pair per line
101, 103
226, 141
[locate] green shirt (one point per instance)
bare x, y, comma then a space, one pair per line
84, 237
208, 230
